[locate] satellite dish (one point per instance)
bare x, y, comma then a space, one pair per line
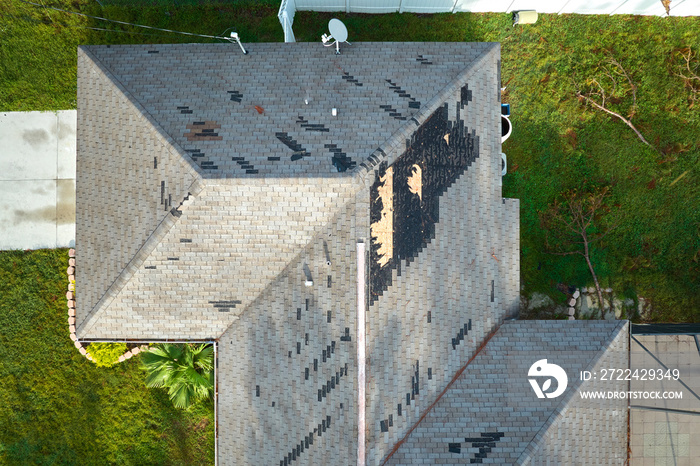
338, 32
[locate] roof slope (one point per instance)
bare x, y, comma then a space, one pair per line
241, 186
491, 414
204, 96
127, 174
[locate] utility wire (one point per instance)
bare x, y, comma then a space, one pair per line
123, 22
74, 26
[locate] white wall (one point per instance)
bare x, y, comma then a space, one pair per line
601, 7
286, 17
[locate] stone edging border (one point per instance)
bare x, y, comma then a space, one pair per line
70, 296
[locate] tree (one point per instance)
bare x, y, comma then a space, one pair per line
187, 371
573, 223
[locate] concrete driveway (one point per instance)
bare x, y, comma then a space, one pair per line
37, 179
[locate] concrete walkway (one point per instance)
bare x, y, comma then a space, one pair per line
37, 179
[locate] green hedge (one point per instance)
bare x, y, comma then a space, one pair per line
106, 354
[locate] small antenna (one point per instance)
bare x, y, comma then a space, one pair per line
338, 32
234, 37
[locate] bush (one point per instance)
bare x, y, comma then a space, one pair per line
106, 354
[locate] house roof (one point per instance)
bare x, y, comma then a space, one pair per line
198, 167
207, 98
490, 413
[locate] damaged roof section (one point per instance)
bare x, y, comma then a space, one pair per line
199, 184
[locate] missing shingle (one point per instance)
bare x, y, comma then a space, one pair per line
155, 162
203, 131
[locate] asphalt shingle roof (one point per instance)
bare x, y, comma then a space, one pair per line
491, 415
205, 98
186, 192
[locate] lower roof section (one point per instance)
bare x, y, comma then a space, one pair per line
492, 414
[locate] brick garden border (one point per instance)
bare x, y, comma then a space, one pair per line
70, 296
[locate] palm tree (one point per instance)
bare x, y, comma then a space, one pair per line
187, 371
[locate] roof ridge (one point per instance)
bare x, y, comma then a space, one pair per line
139, 258
487, 338
173, 149
394, 146
558, 411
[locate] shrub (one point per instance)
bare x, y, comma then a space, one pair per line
106, 354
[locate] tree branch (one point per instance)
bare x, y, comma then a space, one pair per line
615, 114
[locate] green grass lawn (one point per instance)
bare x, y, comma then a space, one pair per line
57, 407
558, 143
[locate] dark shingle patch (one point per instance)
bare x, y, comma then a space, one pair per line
245, 165
441, 163
423, 61
304, 123
393, 112
287, 140
225, 306
194, 153
484, 443
296, 451
413, 103
235, 96
351, 79
340, 160
465, 95
461, 334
